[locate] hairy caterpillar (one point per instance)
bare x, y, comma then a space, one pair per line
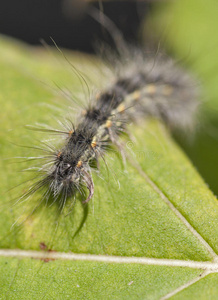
143, 87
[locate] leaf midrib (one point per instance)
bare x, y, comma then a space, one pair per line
17, 253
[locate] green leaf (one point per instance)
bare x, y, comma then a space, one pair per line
190, 32
150, 230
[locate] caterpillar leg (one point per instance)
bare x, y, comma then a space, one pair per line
87, 178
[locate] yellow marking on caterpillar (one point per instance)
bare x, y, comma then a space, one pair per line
136, 95
59, 154
79, 164
121, 108
108, 124
93, 144
151, 89
70, 132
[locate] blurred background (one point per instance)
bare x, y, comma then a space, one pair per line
68, 21
186, 29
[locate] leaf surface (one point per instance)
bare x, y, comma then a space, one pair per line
156, 207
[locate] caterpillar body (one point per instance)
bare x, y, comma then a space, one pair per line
143, 87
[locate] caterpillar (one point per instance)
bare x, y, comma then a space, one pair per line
144, 86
